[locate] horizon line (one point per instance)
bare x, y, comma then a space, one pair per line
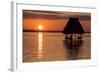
44, 31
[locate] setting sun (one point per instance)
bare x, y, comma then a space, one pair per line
40, 27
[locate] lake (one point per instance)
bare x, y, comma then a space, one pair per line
44, 46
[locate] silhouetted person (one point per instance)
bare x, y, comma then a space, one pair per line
66, 37
71, 37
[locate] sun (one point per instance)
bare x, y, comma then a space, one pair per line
40, 27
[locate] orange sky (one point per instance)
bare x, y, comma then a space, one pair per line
50, 22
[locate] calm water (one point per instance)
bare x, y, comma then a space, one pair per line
42, 46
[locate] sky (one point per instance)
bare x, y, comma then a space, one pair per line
53, 21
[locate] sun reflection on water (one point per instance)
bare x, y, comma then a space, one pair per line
40, 40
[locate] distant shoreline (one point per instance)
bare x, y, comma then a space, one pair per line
46, 31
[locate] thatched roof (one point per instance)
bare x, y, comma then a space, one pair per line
73, 26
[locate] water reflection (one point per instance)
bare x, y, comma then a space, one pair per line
73, 48
40, 40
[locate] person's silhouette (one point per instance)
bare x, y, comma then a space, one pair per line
71, 37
